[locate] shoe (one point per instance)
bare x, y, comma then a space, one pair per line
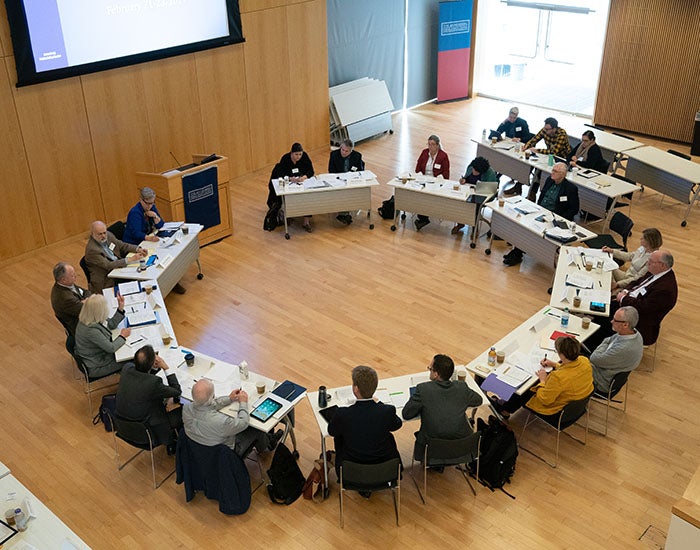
420, 224
170, 449
509, 255
438, 469
365, 494
344, 218
457, 228
179, 289
274, 440
513, 260
549, 291
307, 227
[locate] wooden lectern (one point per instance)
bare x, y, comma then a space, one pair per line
170, 203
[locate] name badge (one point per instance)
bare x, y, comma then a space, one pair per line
353, 169
111, 246
436, 166
295, 170
563, 198
580, 159
518, 128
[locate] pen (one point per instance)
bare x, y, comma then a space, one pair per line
601, 284
547, 310
554, 315
574, 333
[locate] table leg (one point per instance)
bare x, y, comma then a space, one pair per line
286, 227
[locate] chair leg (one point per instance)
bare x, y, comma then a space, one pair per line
340, 497
260, 470
413, 477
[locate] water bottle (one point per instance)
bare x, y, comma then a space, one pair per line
483, 135
565, 318
20, 520
322, 397
492, 357
550, 160
243, 370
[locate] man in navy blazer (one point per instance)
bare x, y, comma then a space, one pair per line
362, 431
345, 159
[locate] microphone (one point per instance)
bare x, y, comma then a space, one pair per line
176, 161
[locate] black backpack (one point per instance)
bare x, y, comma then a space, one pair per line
272, 218
499, 451
107, 411
286, 479
386, 210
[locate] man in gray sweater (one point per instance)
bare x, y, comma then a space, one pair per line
620, 352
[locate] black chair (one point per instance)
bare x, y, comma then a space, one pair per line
136, 434
627, 196
117, 229
371, 477
599, 395
86, 269
620, 224
90, 385
70, 346
448, 452
568, 416
679, 154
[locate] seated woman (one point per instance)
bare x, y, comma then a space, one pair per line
298, 167
432, 161
570, 380
93, 335
649, 242
478, 170
588, 154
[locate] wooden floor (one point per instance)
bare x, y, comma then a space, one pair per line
313, 307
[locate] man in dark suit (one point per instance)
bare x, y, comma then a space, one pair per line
441, 404
103, 253
345, 159
67, 297
559, 196
362, 431
141, 396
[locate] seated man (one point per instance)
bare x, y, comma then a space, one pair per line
143, 219
556, 143
103, 253
67, 298
559, 196
345, 159
513, 127
362, 432
620, 352
142, 396
207, 426
441, 404
653, 295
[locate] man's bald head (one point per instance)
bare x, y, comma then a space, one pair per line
202, 392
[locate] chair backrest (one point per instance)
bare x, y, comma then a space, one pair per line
572, 411
679, 154
623, 178
117, 229
618, 382
622, 225
452, 451
70, 337
622, 135
133, 432
370, 477
86, 270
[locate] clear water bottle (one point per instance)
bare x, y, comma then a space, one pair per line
565, 318
20, 520
483, 135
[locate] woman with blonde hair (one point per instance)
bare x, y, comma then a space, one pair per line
93, 335
649, 242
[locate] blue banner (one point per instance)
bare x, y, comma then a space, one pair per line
200, 192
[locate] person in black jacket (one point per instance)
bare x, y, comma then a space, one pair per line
298, 167
588, 154
141, 396
559, 196
514, 127
345, 159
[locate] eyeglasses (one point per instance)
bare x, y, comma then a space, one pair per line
618, 320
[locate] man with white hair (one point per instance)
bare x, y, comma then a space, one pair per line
205, 425
143, 219
103, 253
513, 127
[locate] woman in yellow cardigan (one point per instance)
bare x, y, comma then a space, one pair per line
571, 379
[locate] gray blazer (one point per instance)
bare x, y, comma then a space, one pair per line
100, 265
442, 407
94, 345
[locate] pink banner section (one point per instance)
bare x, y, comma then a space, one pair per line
453, 74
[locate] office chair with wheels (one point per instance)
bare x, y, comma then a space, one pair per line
448, 452
568, 416
136, 434
620, 224
618, 382
117, 229
371, 477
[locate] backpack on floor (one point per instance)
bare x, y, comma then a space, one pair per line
499, 451
286, 479
386, 210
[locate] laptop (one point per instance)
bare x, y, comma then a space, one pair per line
486, 188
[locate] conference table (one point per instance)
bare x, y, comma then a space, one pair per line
393, 391
668, 174
175, 255
527, 225
598, 192
572, 278
526, 345
326, 193
438, 197
45, 530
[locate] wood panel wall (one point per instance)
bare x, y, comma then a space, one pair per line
649, 81
72, 147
